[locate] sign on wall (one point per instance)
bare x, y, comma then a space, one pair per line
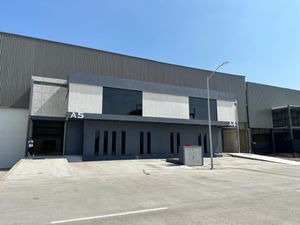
232, 124
77, 115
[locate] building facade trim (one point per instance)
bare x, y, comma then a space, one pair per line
108, 117
108, 81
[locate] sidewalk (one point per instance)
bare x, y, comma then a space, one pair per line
38, 168
265, 158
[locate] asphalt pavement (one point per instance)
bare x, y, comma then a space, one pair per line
237, 191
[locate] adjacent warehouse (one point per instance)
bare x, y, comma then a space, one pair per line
74, 100
274, 118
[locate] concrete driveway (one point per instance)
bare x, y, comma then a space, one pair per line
238, 191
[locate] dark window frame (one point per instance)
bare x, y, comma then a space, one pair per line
105, 143
171, 142
123, 143
198, 108
114, 143
178, 141
199, 139
97, 142
118, 101
148, 142
141, 142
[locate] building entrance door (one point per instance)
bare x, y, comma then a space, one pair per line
48, 137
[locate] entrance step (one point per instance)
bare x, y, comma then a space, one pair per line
265, 158
73, 158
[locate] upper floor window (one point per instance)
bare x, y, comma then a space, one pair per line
280, 117
121, 101
295, 114
199, 111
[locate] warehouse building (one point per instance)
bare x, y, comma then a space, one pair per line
74, 100
274, 119
102, 117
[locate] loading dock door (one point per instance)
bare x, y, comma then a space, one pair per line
48, 137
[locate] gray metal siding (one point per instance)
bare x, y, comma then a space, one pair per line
22, 57
261, 100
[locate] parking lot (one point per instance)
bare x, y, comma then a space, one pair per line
237, 191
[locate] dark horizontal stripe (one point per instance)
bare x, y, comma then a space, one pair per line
108, 117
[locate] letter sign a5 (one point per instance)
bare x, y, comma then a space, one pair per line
77, 115
80, 115
73, 115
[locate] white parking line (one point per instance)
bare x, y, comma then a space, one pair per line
109, 215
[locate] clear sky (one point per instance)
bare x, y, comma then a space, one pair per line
260, 38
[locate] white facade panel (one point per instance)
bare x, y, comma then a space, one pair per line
13, 129
166, 106
85, 98
49, 100
226, 111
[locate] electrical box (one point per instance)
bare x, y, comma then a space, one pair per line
191, 155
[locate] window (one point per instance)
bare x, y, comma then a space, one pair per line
295, 114
113, 142
199, 140
198, 108
141, 143
148, 143
205, 144
97, 138
178, 142
122, 102
123, 143
171, 142
105, 143
280, 117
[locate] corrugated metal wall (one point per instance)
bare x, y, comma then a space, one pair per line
261, 100
22, 57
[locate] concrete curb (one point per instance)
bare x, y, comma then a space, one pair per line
265, 158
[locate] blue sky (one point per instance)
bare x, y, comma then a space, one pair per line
260, 38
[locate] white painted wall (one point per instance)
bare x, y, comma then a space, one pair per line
49, 100
13, 130
226, 111
164, 105
85, 98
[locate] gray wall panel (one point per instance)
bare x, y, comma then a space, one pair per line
261, 100
160, 136
13, 128
49, 100
22, 57
74, 138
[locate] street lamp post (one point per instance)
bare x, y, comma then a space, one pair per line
237, 127
209, 119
